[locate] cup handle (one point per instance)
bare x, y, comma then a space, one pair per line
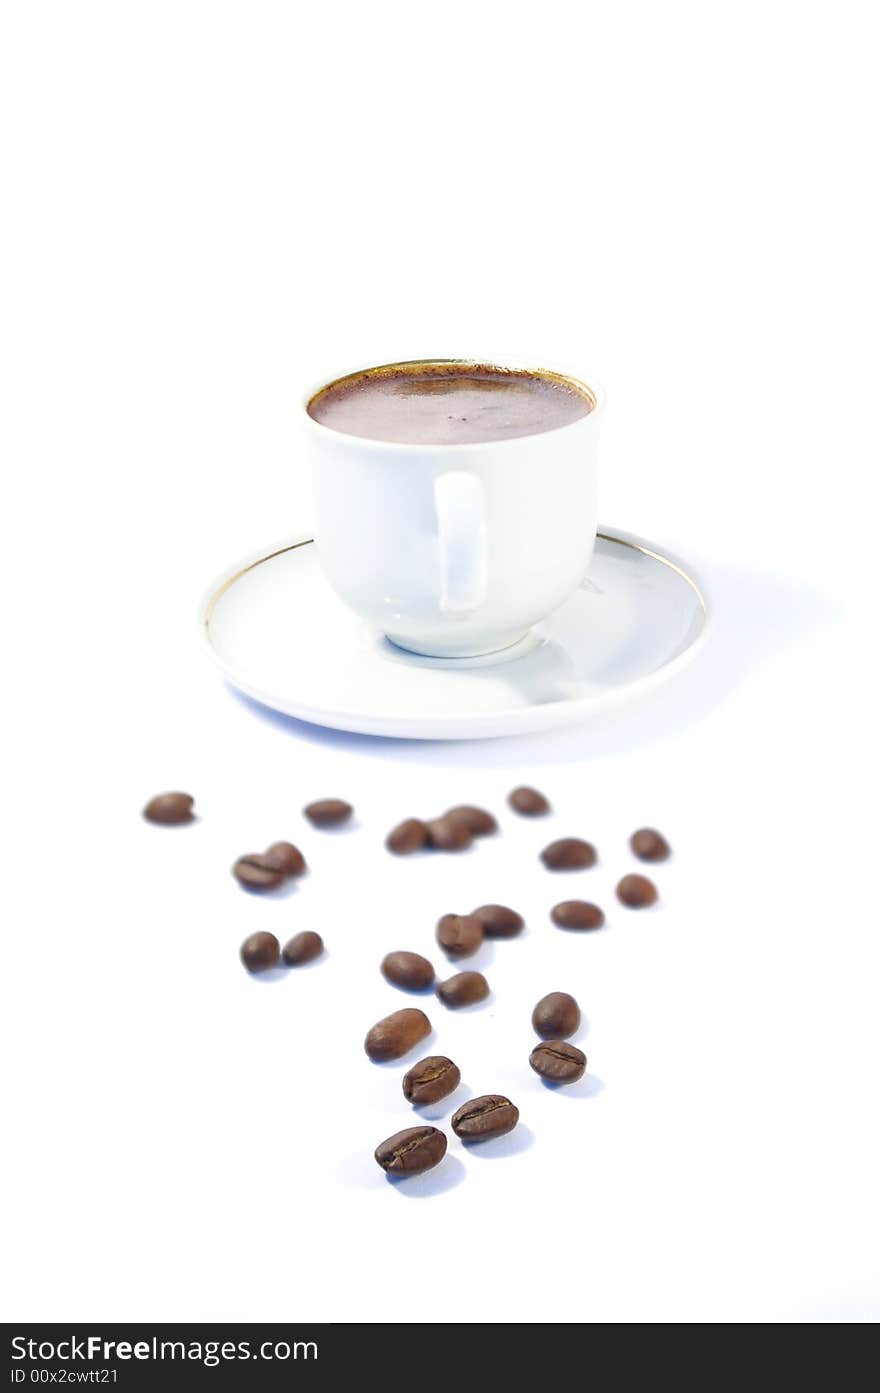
460, 506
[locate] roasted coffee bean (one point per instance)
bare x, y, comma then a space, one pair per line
477, 821
558, 1061
397, 1034
481, 1118
408, 836
430, 1080
411, 1151
408, 970
257, 872
460, 935
498, 921
650, 845
328, 812
577, 914
449, 834
260, 951
464, 989
568, 854
302, 948
556, 1016
529, 802
169, 809
286, 857
637, 891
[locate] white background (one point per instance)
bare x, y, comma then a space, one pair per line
209, 206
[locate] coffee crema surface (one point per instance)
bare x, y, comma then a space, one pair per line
448, 404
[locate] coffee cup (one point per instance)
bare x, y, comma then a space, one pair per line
476, 519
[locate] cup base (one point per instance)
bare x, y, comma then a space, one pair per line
454, 656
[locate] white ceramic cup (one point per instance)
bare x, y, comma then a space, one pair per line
455, 551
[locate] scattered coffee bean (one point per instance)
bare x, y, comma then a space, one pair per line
397, 1034
477, 821
481, 1118
556, 1016
264, 870
302, 948
558, 1061
464, 989
411, 1151
169, 809
577, 914
498, 921
529, 802
408, 836
286, 857
460, 935
448, 834
637, 891
328, 812
260, 951
568, 854
430, 1080
257, 872
408, 970
650, 845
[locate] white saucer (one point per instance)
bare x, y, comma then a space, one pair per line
279, 633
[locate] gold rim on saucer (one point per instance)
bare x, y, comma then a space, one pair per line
309, 541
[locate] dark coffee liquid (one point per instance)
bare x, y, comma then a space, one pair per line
448, 404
